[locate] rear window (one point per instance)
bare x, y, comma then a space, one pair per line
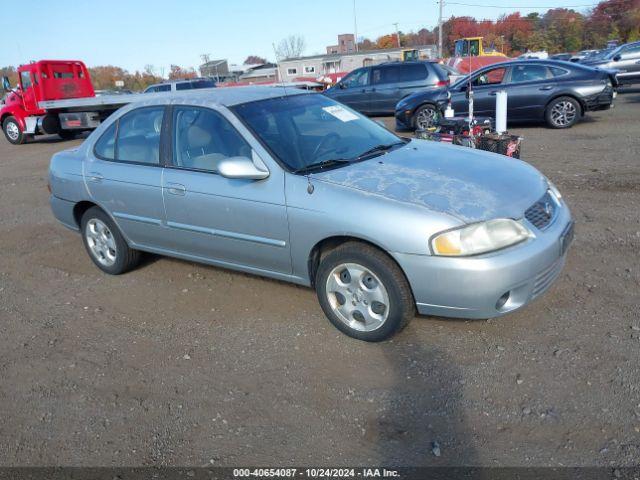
62, 74
410, 73
184, 86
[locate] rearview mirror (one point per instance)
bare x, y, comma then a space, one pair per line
241, 167
6, 85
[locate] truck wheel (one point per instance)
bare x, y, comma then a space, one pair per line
67, 134
13, 131
363, 292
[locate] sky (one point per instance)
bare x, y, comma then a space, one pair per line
135, 33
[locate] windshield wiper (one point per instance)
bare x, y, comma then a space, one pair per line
323, 164
377, 150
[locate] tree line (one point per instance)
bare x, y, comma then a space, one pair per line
558, 30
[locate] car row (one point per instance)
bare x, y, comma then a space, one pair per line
294, 186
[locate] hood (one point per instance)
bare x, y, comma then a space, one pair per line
468, 184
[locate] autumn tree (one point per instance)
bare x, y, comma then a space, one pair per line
11, 73
177, 73
254, 60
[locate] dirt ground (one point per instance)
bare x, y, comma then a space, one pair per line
183, 364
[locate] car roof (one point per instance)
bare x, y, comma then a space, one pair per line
226, 96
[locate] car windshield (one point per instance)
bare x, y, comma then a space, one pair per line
312, 132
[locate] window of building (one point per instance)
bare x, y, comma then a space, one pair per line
310, 69
292, 71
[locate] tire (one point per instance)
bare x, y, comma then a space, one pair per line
420, 118
563, 112
67, 134
354, 282
13, 131
106, 248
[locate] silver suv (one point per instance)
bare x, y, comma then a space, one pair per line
625, 59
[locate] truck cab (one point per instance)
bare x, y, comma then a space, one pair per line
21, 116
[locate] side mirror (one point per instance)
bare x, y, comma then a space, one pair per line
342, 86
617, 58
241, 167
6, 85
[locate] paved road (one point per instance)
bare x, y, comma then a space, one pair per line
182, 364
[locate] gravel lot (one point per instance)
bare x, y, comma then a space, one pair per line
183, 364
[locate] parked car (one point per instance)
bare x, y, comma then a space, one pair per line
376, 90
565, 57
177, 85
625, 59
294, 186
557, 92
582, 55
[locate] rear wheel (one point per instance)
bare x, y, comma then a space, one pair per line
105, 244
426, 117
13, 131
563, 112
363, 292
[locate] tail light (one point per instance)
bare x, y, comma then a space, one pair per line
442, 83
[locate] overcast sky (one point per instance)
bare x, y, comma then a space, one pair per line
133, 33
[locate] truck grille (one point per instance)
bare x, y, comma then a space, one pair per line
541, 213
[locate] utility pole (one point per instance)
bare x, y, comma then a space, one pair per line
441, 2
355, 26
397, 35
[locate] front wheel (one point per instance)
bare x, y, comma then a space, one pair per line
105, 244
427, 116
363, 292
13, 131
563, 112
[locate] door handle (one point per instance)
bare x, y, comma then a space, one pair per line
548, 87
95, 177
493, 94
176, 189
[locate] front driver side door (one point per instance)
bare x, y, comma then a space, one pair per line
353, 90
231, 222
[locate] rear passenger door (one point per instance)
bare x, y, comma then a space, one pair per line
210, 217
529, 88
123, 174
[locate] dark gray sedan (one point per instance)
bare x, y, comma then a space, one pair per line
559, 93
297, 187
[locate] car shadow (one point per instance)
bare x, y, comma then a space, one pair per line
422, 421
56, 138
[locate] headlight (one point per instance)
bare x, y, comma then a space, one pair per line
480, 238
554, 190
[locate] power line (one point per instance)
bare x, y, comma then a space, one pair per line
521, 6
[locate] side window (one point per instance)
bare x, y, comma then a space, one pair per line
558, 72
386, 75
528, 73
358, 78
413, 72
106, 144
25, 79
184, 86
138, 137
203, 138
632, 51
490, 77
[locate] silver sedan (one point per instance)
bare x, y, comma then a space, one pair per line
294, 186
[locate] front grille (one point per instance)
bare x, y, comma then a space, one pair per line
541, 213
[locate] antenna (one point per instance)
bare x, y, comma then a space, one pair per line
275, 51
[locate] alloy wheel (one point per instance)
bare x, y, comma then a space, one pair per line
13, 131
426, 118
563, 113
101, 243
357, 297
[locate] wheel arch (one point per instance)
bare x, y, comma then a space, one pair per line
570, 95
326, 245
80, 208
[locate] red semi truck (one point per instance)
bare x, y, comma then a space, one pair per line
54, 97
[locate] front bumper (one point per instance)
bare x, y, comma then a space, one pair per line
471, 287
404, 120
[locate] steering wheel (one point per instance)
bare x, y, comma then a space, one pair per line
331, 137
